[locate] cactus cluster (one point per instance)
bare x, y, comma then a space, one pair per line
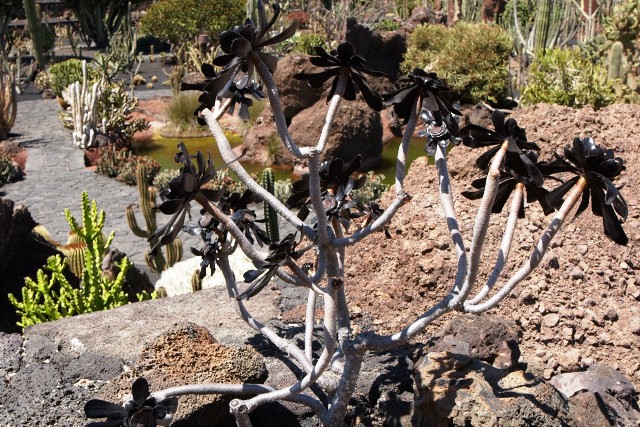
147, 205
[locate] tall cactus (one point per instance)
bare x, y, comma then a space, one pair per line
8, 103
147, 204
615, 61
33, 14
270, 215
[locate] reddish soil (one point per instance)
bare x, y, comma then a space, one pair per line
579, 307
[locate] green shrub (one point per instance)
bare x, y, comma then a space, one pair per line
179, 21
67, 72
53, 297
471, 58
569, 77
115, 106
305, 42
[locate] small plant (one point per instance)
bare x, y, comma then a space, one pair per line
115, 107
162, 179
65, 73
43, 81
129, 171
147, 205
373, 188
568, 77
9, 170
470, 58
111, 160
180, 111
53, 297
306, 42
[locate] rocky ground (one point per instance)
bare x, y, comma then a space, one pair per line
580, 306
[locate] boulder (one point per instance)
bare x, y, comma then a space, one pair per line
65, 363
295, 95
382, 51
189, 354
456, 390
357, 129
486, 338
599, 396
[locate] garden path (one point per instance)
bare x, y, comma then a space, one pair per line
56, 177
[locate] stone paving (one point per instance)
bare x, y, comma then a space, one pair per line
56, 177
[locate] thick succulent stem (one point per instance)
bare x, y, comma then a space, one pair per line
270, 214
505, 246
538, 251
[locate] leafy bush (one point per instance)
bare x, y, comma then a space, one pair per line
569, 77
178, 21
471, 58
305, 42
67, 72
115, 106
53, 297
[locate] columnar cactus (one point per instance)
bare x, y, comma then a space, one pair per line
84, 110
614, 61
32, 12
270, 215
157, 263
8, 104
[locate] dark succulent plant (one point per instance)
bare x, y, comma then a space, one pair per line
278, 254
213, 233
241, 96
239, 43
475, 136
343, 62
599, 167
425, 90
182, 190
519, 167
236, 206
239, 91
143, 410
335, 180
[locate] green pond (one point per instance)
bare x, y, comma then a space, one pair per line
164, 149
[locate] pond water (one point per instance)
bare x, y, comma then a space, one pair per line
164, 149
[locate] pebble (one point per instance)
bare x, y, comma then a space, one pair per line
550, 320
634, 325
577, 273
582, 249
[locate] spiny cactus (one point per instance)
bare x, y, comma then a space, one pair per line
161, 292
8, 103
196, 281
147, 204
270, 215
615, 61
